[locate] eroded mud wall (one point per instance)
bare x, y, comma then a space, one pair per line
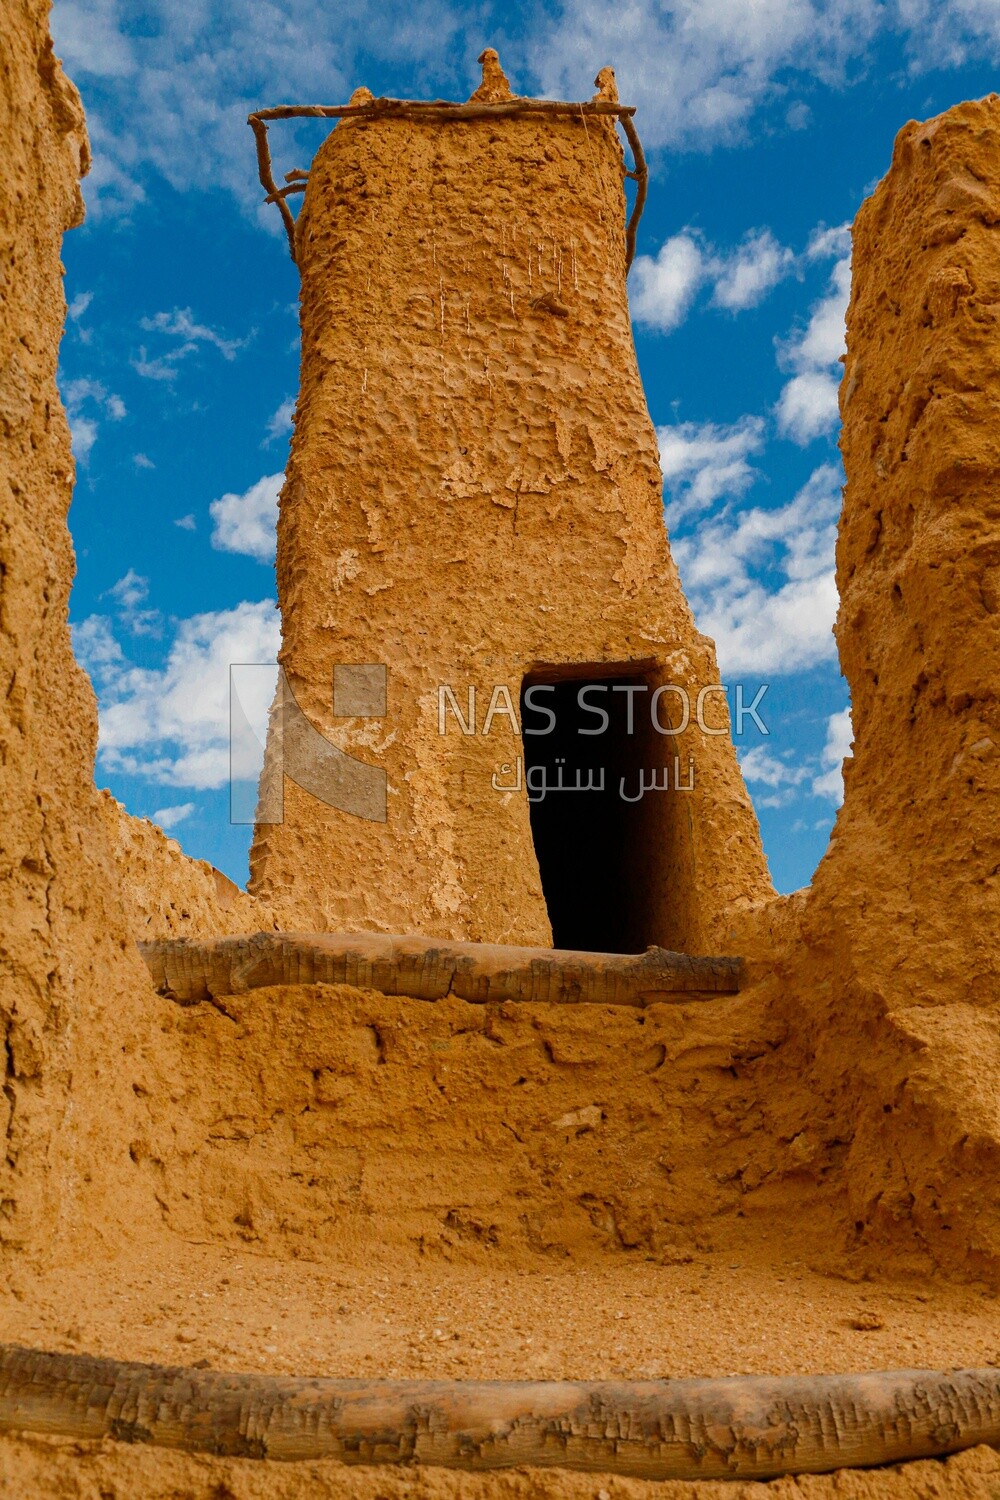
166, 893
889, 966
473, 496
918, 559
71, 987
313, 1119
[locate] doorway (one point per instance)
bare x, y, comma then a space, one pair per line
587, 739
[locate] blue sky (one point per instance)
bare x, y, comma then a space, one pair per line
765, 123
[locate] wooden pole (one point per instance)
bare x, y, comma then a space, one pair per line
442, 109
189, 969
743, 1427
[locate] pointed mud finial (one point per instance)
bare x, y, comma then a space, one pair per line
607, 88
361, 95
495, 87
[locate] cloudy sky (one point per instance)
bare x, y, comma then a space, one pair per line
766, 122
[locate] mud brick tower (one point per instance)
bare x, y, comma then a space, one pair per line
473, 501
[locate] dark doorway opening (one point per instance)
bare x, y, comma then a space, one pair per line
588, 732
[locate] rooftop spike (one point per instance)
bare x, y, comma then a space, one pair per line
607, 87
495, 87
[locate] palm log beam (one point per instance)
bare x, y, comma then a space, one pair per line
189, 970
742, 1427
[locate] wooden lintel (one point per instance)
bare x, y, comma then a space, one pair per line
190, 969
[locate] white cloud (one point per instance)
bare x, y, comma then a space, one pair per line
807, 407
949, 35
172, 95
86, 402
822, 342
187, 523
281, 422
96, 647
169, 817
827, 243
90, 35
761, 628
77, 393
703, 462
753, 269
762, 767
170, 725
246, 523
143, 461
839, 736
661, 289
162, 368
130, 591
83, 435
180, 325
762, 580
78, 306
109, 189
130, 594
699, 69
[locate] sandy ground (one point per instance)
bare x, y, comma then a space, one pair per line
42, 1468
715, 1316
236, 1309
239, 1310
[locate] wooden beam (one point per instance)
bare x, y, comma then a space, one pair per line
742, 1427
189, 969
434, 110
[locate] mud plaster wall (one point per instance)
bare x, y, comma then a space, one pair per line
166, 893
887, 968
474, 491
323, 1119
71, 986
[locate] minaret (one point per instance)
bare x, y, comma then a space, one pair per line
473, 504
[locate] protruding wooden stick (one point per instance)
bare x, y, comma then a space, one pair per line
744, 1427
189, 969
265, 172
641, 175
